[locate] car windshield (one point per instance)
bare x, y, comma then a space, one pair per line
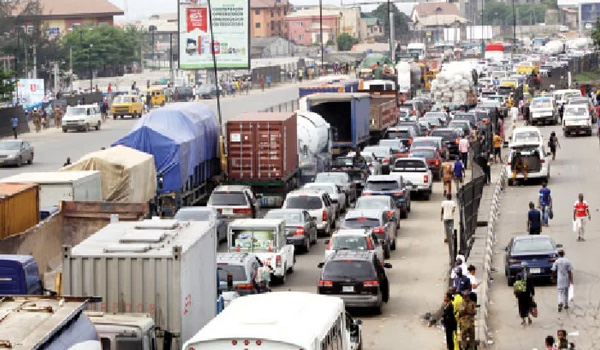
304, 202
578, 112
381, 152
360, 223
331, 178
10, 145
193, 215
325, 188
228, 198
423, 153
459, 124
76, 111
424, 143
348, 269
526, 136
398, 133
532, 245
375, 203
238, 273
394, 144
289, 218
541, 103
344, 162
123, 99
431, 120
444, 134
253, 241
381, 185
349, 242
409, 165
578, 101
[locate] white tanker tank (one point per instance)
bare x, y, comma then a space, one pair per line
314, 145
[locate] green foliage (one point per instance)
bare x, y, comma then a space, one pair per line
596, 34
400, 19
7, 85
345, 42
499, 13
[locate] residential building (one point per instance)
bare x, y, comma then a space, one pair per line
304, 25
350, 22
569, 17
270, 47
372, 28
433, 17
267, 18
61, 16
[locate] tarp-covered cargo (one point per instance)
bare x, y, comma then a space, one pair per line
128, 175
184, 140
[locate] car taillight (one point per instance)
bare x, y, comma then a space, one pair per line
552, 260
426, 178
508, 163
220, 211
324, 215
391, 213
398, 154
385, 161
513, 261
543, 160
397, 193
413, 112
242, 211
437, 162
366, 193
371, 283
323, 283
379, 230
299, 231
278, 261
244, 286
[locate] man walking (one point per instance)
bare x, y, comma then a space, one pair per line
458, 173
581, 210
497, 148
562, 272
534, 220
466, 322
449, 321
463, 148
447, 177
15, 123
447, 216
545, 202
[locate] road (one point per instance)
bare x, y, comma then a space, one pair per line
575, 170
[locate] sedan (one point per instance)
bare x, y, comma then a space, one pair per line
538, 251
15, 152
300, 228
380, 202
204, 214
342, 179
450, 138
377, 222
338, 196
353, 240
462, 125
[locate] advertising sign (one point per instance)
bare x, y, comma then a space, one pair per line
231, 26
590, 12
31, 92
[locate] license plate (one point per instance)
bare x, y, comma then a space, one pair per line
227, 211
535, 270
348, 289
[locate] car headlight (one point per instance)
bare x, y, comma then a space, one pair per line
11, 156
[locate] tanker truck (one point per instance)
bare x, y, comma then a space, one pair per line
314, 145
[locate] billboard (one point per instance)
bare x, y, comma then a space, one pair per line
31, 92
590, 12
231, 26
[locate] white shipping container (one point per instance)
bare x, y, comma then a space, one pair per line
56, 186
161, 267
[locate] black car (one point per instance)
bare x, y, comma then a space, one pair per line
300, 227
184, 93
538, 251
358, 277
450, 138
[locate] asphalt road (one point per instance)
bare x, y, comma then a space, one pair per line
575, 170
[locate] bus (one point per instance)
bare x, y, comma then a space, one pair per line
281, 321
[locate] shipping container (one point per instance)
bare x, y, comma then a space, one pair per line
57, 186
19, 207
383, 113
164, 268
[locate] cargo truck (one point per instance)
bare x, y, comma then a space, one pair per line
383, 111
314, 145
348, 115
164, 268
262, 152
184, 140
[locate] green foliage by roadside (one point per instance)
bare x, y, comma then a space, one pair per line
345, 42
7, 85
400, 19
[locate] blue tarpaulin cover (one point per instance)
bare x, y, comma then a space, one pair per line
180, 136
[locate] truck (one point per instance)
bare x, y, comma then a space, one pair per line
262, 152
349, 117
184, 139
314, 145
332, 87
416, 174
57, 186
134, 331
128, 175
383, 110
41, 322
162, 267
22, 199
19, 275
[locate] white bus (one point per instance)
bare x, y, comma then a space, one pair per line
281, 321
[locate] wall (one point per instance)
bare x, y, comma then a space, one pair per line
264, 18
300, 30
6, 114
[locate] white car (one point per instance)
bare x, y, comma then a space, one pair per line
354, 240
543, 109
535, 158
318, 204
576, 120
82, 117
338, 196
529, 135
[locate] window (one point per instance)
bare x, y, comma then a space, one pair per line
272, 25
278, 12
285, 12
301, 37
271, 13
299, 24
257, 12
75, 25
257, 25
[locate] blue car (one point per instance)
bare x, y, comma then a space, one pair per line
392, 185
538, 251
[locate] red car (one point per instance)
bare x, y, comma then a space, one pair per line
434, 161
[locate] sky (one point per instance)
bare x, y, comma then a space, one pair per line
141, 9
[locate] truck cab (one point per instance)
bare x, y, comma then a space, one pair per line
19, 275
132, 331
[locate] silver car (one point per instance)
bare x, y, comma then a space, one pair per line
343, 180
235, 202
338, 196
204, 214
15, 152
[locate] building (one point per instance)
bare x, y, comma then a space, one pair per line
61, 16
267, 18
372, 28
433, 17
304, 26
569, 17
270, 47
351, 22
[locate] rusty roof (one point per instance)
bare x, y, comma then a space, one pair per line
10, 189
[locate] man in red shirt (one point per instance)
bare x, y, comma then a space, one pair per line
581, 210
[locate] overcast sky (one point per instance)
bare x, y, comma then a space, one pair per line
140, 9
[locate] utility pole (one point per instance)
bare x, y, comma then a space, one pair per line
70, 68
17, 64
55, 78
321, 33
482, 31
90, 67
392, 38
514, 27
214, 57
34, 62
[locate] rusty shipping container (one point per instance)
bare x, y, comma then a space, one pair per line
19, 207
262, 147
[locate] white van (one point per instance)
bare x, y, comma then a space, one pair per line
82, 117
543, 110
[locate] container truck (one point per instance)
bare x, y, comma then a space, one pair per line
164, 268
333, 87
19, 207
314, 145
57, 186
348, 115
39, 322
262, 152
184, 140
383, 111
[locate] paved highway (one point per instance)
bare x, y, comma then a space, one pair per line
575, 170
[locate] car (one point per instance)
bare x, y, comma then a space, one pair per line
405, 133
426, 125
372, 162
204, 214
243, 268
348, 184
438, 119
534, 156
317, 203
184, 93
357, 277
538, 251
208, 91
392, 185
530, 135
376, 221
584, 101
434, 161
380, 202
576, 120
15, 152
543, 110
354, 240
338, 196
300, 227
468, 116
396, 145
123, 105
234, 202
81, 117
416, 174
417, 107
450, 139
483, 116
415, 124
462, 125
430, 141
384, 154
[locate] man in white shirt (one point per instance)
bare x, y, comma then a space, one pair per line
463, 148
447, 216
474, 282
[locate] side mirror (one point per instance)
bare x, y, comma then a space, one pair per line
559, 245
387, 265
320, 265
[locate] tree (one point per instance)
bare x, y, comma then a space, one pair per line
400, 19
7, 85
596, 34
345, 42
499, 13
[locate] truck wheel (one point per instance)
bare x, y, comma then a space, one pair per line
98, 126
64, 129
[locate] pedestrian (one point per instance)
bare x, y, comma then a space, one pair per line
262, 83
520, 167
485, 165
247, 85
57, 116
447, 216
581, 210
497, 148
474, 282
524, 292
458, 173
456, 301
545, 202
463, 148
377, 71
534, 220
562, 272
175, 94
68, 162
268, 81
461, 282
449, 321
15, 124
300, 74
109, 88
466, 321
553, 143
36, 120
133, 88
459, 262
561, 339
447, 169
549, 343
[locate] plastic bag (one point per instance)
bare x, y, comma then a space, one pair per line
571, 292
574, 226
